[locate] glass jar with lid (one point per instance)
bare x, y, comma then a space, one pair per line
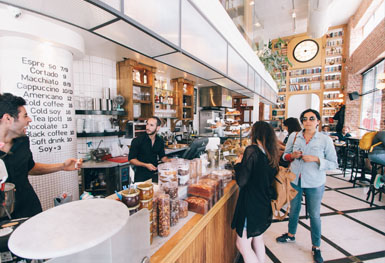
163, 215
146, 191
130, 197
167, 172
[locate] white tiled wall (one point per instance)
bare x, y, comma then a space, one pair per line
92, 76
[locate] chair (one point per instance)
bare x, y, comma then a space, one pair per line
373, 191
349, 156
356, 157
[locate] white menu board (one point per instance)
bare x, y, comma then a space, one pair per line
42, 75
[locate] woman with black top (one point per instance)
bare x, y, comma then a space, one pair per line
255, 172
292, 125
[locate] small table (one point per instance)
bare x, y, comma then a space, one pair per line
68, 228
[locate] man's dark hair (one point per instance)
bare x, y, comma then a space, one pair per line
9, 104
158, 121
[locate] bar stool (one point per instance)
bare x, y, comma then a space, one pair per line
350, 157
373, 191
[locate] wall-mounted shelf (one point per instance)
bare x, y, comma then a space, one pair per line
100, 134
100, 112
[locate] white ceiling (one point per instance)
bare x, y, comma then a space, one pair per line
276, 16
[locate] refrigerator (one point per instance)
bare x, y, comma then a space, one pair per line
208, 114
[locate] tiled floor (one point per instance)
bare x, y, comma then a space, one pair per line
352, 231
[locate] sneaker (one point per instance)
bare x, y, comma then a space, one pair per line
285, 238
317, 255
378, 181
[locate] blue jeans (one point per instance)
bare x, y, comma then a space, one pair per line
313, 202
377, 157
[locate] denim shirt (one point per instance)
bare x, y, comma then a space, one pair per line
312, 174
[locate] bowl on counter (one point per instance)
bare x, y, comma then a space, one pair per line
176, 146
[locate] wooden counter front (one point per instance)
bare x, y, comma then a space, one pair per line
204, 238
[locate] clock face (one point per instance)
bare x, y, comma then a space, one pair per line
305, 50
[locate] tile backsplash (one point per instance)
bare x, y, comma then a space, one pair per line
93, 76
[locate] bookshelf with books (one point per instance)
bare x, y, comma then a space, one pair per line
322, 75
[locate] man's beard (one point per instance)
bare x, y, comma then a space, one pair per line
152, 133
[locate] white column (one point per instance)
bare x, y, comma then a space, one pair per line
255, 108
38, 67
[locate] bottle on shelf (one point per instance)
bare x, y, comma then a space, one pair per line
144, 77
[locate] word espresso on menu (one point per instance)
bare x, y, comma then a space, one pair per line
48, 90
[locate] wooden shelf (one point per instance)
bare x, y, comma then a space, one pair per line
142, 101
100, 134
100, 112
330, 90
134, 83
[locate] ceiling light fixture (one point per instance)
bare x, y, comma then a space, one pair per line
257, 24
251, 3
293, 15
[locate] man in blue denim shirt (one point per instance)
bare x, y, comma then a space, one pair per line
311, 153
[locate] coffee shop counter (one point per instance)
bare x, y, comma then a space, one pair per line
104, 164
200, 238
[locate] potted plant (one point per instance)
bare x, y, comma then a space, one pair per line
275, 61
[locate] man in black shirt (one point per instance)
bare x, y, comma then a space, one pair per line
146, 150
15, 152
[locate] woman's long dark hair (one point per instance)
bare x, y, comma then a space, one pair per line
292, 125
264, 132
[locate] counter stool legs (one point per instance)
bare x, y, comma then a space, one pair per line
372, 190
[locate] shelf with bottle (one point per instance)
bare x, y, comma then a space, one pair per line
304, 80
100, 112
333, 68
333, 51
336, 33
334, 43
305, 72
336, 76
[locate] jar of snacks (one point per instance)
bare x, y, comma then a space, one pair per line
183, 167
174, 218
133, 210
146, 191
130, 197
163, 215
174, 206
167, 172
171, 188
146, 204
183, 209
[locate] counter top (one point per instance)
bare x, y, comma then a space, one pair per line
104, 164
188, 229
68, 228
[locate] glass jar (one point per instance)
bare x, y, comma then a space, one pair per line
171, 188
146, 191
174, 218
133, 210
146, 204
130, 197
151, 215
183, 167
163, 215
174, 206
183, 209
167, 173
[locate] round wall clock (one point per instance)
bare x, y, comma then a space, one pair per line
305, 50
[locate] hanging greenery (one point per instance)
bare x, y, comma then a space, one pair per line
275, 61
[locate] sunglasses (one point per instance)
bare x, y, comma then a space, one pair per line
312, 118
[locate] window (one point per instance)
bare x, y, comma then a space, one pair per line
371, 102
374, 20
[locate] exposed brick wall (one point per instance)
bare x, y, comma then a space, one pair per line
370, 51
